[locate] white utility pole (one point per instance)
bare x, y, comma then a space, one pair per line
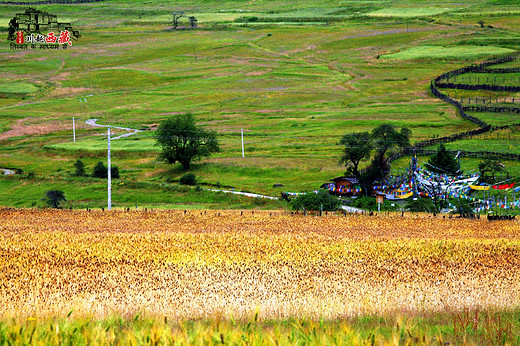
242, 134
109, 175
74, 129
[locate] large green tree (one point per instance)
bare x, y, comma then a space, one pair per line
443, 162
489, 168
380, 144
357, 147
387, 141
183, 141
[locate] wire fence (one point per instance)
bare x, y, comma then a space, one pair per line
418, 147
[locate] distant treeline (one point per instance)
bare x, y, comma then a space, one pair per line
46, 2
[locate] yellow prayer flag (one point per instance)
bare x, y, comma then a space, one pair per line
479, 188
409, 194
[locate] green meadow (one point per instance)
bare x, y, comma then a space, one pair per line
295, 77
490, 327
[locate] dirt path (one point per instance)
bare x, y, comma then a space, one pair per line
93, 122
247, 194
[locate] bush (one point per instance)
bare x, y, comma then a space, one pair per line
101, 171
462, 207
316, 201
188, 179
114, 172
370, 204
79, 168
420, 205
54, 197
365, 203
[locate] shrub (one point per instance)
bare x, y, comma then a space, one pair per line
365, 203
462, 207
316, 201
101, 171
54, 197
370, 204
114, 172
79, 168
420, 205
188, 179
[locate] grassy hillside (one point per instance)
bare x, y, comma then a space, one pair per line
294, 76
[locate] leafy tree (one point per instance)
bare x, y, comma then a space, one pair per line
489, 168
387, 141
183, 141
316, 201
101, 171
176, 16
443, 162
370, 203
79, 168
357, 147
193, 21
54, 197
380, 144
437, 191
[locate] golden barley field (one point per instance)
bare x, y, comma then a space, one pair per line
234, 264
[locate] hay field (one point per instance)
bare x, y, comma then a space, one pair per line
224, 264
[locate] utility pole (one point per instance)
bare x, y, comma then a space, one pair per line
242, 134
109, 174
414, 168
74, 129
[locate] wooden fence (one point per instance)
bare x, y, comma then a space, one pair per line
418, 148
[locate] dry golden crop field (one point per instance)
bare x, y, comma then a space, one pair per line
234, 264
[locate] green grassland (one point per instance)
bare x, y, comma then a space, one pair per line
295, 79
509, 79
457, 52
493, 327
